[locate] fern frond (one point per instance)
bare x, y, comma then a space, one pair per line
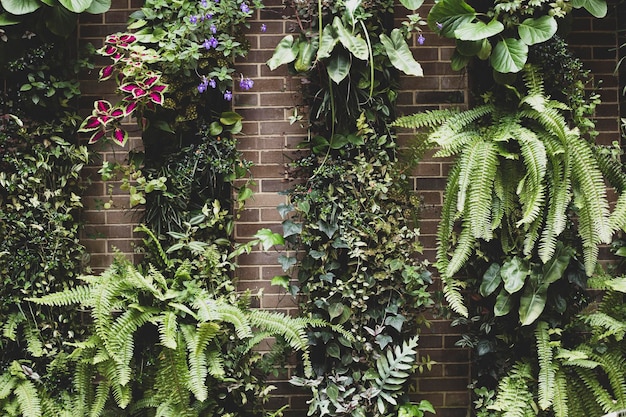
514, 398
600, 395
11, 323
560, 400
79, 295
173, 376
7, 384
393, 369
448, 216
605, 326
102, 394
235, 316
428, 118
617, 219
197, 364
452, 292
480, 190
28, 399
153, 241
532, 193
533, 80
547, 371
550, 119
452, 142
614, 366
168, 326
215, 364
464, 248
121, 394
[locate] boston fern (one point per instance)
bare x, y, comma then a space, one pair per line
520, 173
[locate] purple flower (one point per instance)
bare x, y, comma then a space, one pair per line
193, 19
212, 83
203, 85
210, 43
213, 29
246, 83
263, 27
228, 96
203, 3
439, 26
421, 39
209, 16
244, 8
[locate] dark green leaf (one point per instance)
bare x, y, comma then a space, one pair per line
76, 6
458, 61
395, 321
286, 51
333, 351
503, 304
335, 310
338, 68
327, 43
532, 302
554, 269
356, 45
491, 280
284, 209
328, 229
287, 262
399, 53
290, 228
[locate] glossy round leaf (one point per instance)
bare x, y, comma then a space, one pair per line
509, 55
76, 6
447, 15
533, 31
475, 31
19, 7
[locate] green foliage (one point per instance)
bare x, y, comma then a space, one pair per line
174, 339
535, 170
502, 32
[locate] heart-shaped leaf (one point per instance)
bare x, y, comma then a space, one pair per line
338, 68
76, 6
513, 273
356, 45
533, 31
399, 53
286, 51
532, 302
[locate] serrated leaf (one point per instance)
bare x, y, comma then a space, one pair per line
533, 31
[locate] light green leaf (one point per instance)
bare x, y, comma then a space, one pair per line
554, 269
356, 45
19, 7
267, 238
399, 53
597, 8
533, 31
99, 6
229, 118
513, 273
412, 4
286, 51
6, 20
471, 31
327, 42
618, 284
338, 68
491, 280
76, 6
458, 61
280, 281
509, 55
450, 14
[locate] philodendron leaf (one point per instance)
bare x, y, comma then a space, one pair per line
532, 302
76, 6
533, 31
491, 280
503, 304
19, 7
447, 15
286, 51
412, 4
513, 273
597, 8
356, 45
509, 55
338, 68
399, 53
555, 268
327, 42
471, 31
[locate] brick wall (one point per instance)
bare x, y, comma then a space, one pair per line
269, 140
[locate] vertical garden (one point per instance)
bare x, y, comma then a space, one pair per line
530, 201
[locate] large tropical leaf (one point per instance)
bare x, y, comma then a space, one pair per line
399, 53
355, 44
449, 15
532, 31
475, 31
76, 6
509, 55
533, 300
286, 51
19, 7
339, 68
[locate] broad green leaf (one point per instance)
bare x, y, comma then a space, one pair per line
286, 51
99, 6
76, 6
280, 281
327, 43
328, 228
485, 50
338, 141
491, 280
597, 8
470, 31
306, 52
284, 209
469, 48
287, 262
509, 55
61, 21
503, 305
267, 238
412, 4
458, 61
338, 68
396, 321
333, 392
554, 269
532, 302
399, 53
513, 273
450, 14
6, 20
335, 310
356, 45
229, 118
290, 228
533, 31
19, 7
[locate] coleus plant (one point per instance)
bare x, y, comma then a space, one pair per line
140, 85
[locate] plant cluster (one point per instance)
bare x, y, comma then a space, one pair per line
352, 221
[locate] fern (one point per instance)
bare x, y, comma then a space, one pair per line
560, 402
79, 295
547, 371
429, 118
168, 326
28, 399
514, 398
393, 371
235, 316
